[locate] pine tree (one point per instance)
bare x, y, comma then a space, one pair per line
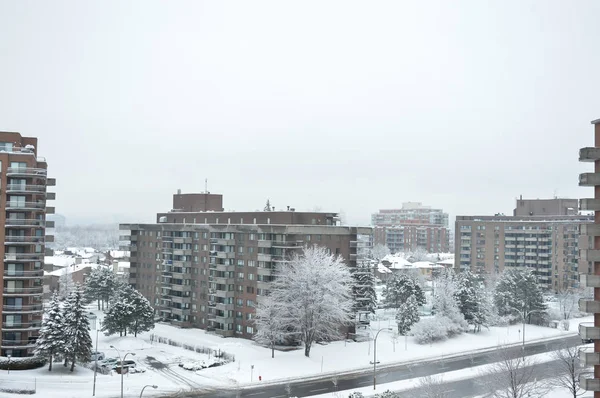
102, 284
518, 293
472, 301
65, 283
363, 289
51, 340
141, 318
77, 328
407, 315
116, 318
399, 288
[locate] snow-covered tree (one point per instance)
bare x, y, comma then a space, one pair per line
472, 300
407, 315
379, 251
568, 300
270, 322
117, 318
399, 288
445, 303
51, 341
142, 313
102, 284
77, 328
314, 290
571, 369
518, 293
65, 283
363, 289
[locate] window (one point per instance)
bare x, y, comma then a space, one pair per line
240, 263
250, 289
251, 263
240, 249
240, 276
239, 302
249, 303
249, 330
250, 277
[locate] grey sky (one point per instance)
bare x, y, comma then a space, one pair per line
337, 104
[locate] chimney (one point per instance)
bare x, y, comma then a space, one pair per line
179, 192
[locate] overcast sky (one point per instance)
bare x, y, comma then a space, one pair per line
343, 105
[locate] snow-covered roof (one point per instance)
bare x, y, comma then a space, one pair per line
449, 261
74, 268
118, 253
59, 261
426, 264
399, 263
123, 264
382, 269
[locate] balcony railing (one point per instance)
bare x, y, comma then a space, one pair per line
22, 325
23, 274
23, 256
18, 343
13, 222
25, 188
22, 308
23, 290
25, 206
26, 171
23, 239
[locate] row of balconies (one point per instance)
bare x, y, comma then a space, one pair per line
23, 291
22, 309
18, 344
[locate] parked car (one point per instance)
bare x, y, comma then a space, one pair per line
97, 356
109, 362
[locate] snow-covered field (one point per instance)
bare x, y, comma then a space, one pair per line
251, 361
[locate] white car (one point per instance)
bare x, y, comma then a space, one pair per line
97, 356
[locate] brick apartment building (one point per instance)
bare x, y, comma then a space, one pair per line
542, 234
412, 227
23, 224
203, 267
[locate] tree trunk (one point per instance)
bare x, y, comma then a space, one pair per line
272, 350
307, 349
98, 301
66, 360
50, 366
135, 333
73, 364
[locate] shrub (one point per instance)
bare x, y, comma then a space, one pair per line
428, 330
23, 363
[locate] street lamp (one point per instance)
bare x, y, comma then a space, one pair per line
147, 385
122, 360
525, 315
8, 365
375, 357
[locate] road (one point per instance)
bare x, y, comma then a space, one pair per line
387, 375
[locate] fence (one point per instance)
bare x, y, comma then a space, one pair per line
18, 387
195, 348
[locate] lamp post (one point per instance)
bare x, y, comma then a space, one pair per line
147, 385
122, 361
96, 361
524, 315
375, 357
8, 365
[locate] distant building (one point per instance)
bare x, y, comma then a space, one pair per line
412, 227
545, 242
202, 267
24, 206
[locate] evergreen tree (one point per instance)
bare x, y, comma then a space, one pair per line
518, 293
65, 283
445, 303
102, 284
472, 300
141, 318
51, 340
77, 328
117, 319
363, 289
399, 288
407, 315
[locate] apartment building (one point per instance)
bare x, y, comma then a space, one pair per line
549, 244
23, 224
412, 227
208, 268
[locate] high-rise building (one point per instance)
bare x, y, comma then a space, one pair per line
202, 267
23, 224
412, 227
547, 244
590, 356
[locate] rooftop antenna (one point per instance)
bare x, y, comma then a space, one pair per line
206, 185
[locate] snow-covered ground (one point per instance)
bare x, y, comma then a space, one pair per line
252, 360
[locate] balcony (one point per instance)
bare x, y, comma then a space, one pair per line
224, 293
51, 182
22, 326
25, 206
224, 267
224, 281
589, 384
589, 179
23, 240
589, 204
263, 285
26, 172
590, 254
589, 280
181, 288
181, 311
265, 243
590, 229
587, 331
22, 309
23, 257
263, 257
23, 291
588, 357
264, 271
589, 306
50, 195
222, 242
18, 344
25, 188
224, 307
15, 274
288, 245
589, 154
226, 255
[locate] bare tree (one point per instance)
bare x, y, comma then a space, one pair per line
512, 377
567, 301
570, 370
270, 323
432, 387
